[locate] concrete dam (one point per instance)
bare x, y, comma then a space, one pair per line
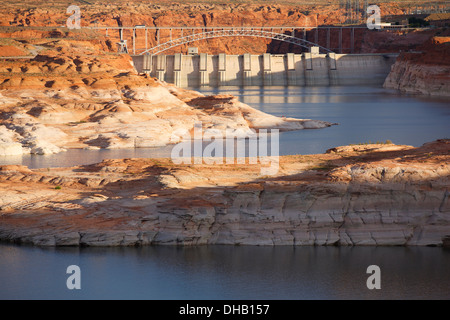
306, 69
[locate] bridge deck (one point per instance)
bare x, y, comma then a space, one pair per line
298, 33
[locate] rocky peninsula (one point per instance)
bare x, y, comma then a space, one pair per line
426, 72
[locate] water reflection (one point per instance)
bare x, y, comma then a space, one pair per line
226, 272
73, 157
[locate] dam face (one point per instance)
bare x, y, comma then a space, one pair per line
307, 69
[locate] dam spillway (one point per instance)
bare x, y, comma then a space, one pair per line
306, 69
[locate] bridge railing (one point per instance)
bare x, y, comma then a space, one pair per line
184, 31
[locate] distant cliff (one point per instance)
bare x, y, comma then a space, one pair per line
425, 73
15, 23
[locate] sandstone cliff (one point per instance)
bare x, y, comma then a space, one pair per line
425, 73
356, 195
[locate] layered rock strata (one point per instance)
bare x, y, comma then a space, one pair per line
426, 73
355, 195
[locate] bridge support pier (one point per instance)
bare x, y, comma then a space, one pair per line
332, 69
291, 75
267, 69
160, 75
204, 78
247, 81
310, 75
160, 67
177, 69
222, 78
147, 64
309, 78
247, 78
222, 68
177, 78
308, 69
204, 81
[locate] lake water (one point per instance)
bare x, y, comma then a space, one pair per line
227, 272
364, 114
224, 272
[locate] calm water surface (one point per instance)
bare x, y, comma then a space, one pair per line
224, 272
364, 114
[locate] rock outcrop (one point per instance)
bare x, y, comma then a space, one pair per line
358, 195
425, 73
75, 95
24, 23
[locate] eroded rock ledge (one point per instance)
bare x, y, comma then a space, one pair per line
353, 195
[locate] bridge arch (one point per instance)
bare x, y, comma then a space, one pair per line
234, 32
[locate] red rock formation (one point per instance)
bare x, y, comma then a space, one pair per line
201, 15
427, 72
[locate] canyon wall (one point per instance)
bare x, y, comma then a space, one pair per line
354, 195
427, 72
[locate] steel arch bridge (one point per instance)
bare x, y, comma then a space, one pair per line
233, 32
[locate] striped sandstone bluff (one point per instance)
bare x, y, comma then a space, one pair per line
352, 195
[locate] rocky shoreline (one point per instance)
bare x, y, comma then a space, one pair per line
64, 89
425, 73
353, 195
